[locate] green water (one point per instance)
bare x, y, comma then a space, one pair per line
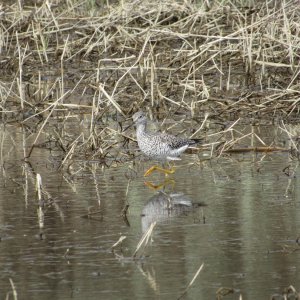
239, 215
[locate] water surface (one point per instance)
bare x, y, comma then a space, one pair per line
237, 214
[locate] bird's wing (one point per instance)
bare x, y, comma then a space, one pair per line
173, 141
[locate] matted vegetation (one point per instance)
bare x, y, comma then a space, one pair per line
64, 62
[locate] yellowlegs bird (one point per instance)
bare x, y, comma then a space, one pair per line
159, 146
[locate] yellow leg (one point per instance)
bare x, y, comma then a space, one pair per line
157, 168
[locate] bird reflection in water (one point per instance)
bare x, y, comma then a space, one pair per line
163, 206
162, 185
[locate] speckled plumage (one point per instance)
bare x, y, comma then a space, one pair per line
158, 145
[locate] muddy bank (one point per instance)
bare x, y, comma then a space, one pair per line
97, 64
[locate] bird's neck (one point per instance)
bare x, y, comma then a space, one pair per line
141, 128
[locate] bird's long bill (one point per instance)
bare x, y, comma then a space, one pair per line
130, 125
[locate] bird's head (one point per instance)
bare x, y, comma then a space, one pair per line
139, 118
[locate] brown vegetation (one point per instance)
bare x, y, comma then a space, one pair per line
64, 62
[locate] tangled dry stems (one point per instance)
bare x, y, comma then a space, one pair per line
77, 63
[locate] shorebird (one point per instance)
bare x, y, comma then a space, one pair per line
159, 146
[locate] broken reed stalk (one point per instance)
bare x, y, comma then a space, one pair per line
26, 182
144, 241
256, 149
69, 154
14, 290
40, 210
90, 215
191, 282
200, 128
119, 242
39, 187
111, 100
46, 121
62, 74
290, 135
21, 58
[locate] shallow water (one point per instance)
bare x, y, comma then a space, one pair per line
239, 215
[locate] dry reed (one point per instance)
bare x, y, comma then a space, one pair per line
217, 62
192, 281
14, 290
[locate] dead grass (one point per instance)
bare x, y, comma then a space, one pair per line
73, 62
